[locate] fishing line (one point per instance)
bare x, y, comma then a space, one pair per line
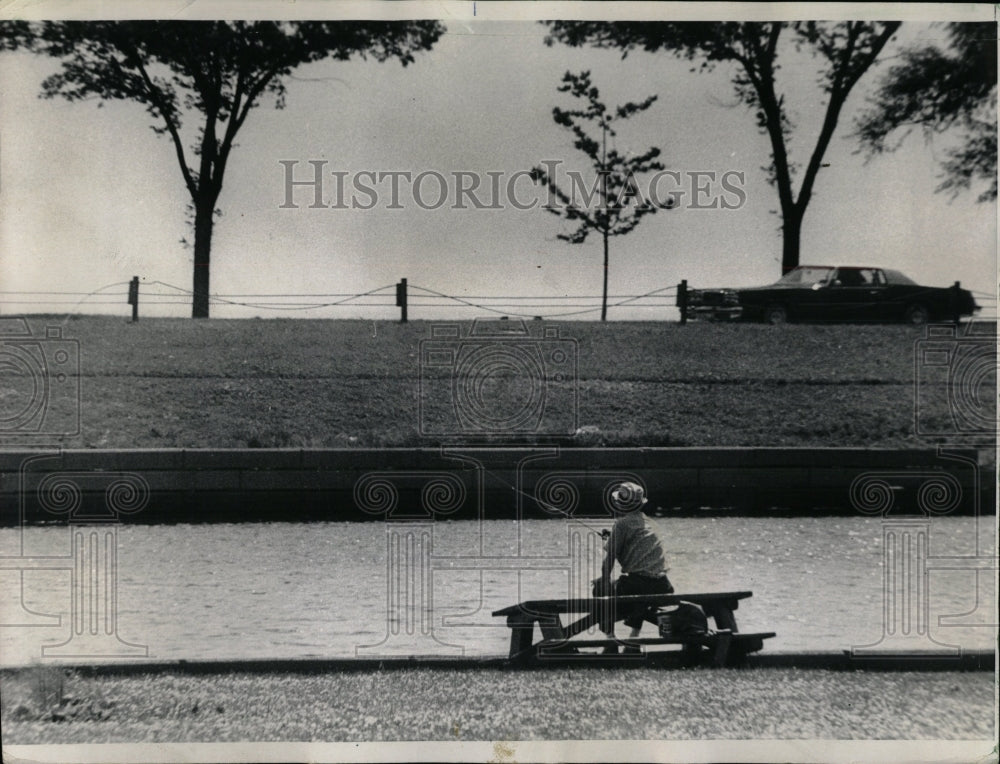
544, 504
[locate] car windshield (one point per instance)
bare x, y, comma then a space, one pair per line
806, 275
895, 277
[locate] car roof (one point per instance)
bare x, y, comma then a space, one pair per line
892, 275
844, 265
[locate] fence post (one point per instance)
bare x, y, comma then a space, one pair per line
401, 299
133, 297
682, 300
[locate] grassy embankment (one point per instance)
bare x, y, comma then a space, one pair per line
490, 704
325, 383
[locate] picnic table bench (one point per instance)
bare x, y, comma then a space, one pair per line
725, 644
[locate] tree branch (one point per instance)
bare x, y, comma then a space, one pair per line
161, 105
839, 91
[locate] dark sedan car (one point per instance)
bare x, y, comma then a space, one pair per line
840, 293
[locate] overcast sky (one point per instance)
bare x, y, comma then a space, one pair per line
91, 196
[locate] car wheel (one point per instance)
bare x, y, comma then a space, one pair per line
775, 314
916, 315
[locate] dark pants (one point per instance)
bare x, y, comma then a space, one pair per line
633, 583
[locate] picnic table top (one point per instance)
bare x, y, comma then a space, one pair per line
581, 605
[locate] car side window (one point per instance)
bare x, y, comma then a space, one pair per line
879, 278
853, 277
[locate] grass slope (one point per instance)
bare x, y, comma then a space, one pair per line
329, 383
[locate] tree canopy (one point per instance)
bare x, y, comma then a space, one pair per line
846, 49
620, 206
942, 90
217, 71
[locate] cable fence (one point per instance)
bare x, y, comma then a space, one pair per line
401, 296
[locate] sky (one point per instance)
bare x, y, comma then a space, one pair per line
90, 197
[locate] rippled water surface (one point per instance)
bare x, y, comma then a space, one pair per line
331, 589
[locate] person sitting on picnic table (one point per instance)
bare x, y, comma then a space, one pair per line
636, 545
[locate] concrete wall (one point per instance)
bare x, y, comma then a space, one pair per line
197, 485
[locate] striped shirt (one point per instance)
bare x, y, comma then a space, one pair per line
636, 545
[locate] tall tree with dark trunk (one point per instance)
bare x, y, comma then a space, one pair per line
952, 90
215, 70
848, 49
620, 205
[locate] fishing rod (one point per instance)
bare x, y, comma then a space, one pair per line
603, 532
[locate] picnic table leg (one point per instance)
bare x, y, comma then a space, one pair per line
691, 653
522, 628
722, 648
581, 625
722, 614
558, 635
725, 623
552, 627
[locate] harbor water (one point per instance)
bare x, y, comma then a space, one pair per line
333, 589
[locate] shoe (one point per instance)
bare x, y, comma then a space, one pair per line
610, 650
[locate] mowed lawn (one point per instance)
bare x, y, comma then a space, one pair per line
492, 704
335, 383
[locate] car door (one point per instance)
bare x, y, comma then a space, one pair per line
853, 295
880, 307
811, 302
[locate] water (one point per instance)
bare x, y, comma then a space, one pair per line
296, 590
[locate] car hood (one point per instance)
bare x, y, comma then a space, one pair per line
750, 289
772, 286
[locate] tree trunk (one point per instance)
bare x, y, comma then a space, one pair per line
203, 222
604, 300
791, 239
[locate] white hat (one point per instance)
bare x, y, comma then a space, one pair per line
629, 494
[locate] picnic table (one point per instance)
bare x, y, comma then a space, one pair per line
725, 644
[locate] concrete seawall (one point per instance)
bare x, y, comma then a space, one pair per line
210, 485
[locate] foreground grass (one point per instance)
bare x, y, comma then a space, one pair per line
326, 383
477, 704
